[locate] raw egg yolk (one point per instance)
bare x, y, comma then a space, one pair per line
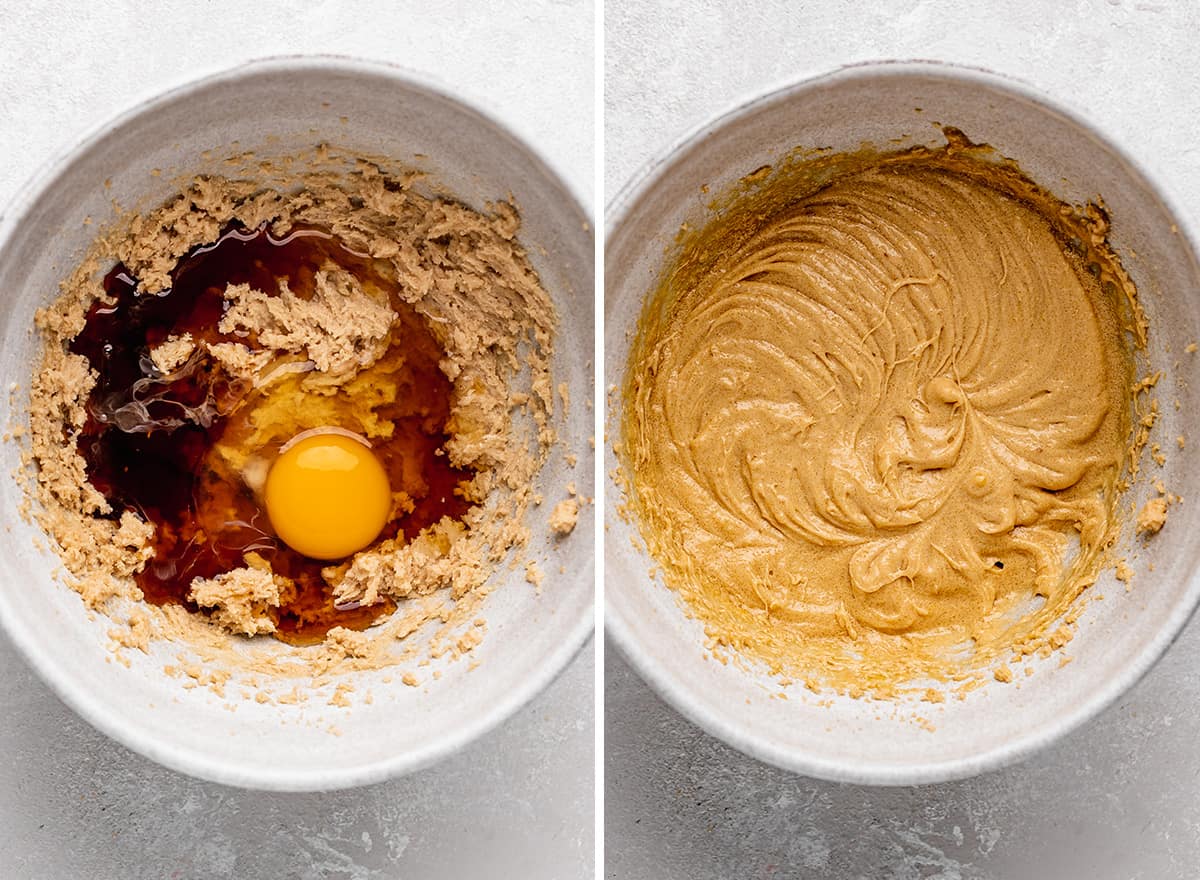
327, 496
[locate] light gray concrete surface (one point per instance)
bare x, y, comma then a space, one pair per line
1116, 799
519, 802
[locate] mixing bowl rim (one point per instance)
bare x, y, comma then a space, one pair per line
674, 687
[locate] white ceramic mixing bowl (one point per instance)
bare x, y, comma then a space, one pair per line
893, 106
275, 108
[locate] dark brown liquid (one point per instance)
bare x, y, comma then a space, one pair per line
146, 441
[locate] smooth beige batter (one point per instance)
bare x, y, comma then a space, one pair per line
869, 424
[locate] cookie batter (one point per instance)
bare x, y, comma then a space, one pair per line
325, 357
870, 424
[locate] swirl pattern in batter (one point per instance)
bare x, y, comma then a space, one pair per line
864, 434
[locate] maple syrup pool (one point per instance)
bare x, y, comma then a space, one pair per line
149, 438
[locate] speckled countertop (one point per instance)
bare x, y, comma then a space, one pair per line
73, 804
1116, 799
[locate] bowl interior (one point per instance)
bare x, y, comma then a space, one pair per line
1118, 638
276, 109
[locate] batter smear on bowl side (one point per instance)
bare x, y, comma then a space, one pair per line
877, 418
296, 409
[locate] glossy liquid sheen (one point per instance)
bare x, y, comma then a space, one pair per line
155, 464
